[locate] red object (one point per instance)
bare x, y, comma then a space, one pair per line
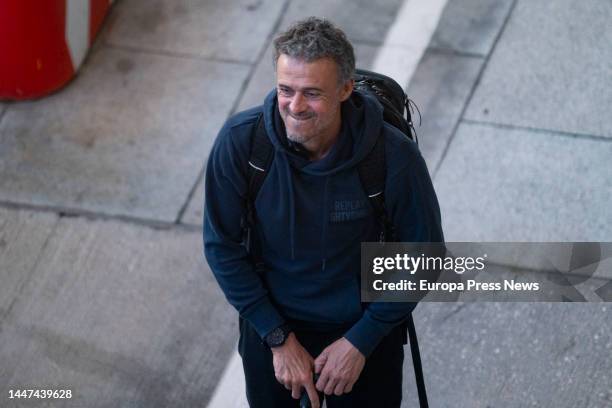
36, 53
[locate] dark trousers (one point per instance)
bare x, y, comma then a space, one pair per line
379, 385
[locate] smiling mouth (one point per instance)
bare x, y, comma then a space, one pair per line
300, 118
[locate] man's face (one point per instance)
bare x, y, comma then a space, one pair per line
309, 97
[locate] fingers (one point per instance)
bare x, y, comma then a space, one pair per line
286, 382
320, 361
339, 388
327, 382
296, 390
322, 381
312, 394
334, 384
330, 386
349, 387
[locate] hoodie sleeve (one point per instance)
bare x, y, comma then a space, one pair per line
225, 195
413, 207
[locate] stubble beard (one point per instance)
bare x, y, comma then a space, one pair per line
301, 136
315, 129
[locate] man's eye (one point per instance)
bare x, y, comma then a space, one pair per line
284, 91
312, 94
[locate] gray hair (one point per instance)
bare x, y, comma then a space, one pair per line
315, 38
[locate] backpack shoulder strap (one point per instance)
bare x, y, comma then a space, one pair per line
372, 172
260, 158
261, 153
416, 362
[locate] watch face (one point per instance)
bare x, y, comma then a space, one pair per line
277, 337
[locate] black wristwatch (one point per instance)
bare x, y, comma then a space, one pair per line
278, 336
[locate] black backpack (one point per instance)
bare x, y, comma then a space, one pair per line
397, 109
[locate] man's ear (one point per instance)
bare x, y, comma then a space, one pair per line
346, 90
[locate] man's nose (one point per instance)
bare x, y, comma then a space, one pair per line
297, 104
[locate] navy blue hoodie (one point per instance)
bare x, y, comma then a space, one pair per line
311, 218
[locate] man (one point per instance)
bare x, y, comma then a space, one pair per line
302, 313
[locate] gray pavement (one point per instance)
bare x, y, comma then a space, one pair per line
104, 289
211, 29
514, 355
560, 70
83, 149
117, 313
470, 26
509, 184
441, 85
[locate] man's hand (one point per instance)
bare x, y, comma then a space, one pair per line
293, 367
338, 366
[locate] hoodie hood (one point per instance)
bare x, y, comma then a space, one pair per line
356, 139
